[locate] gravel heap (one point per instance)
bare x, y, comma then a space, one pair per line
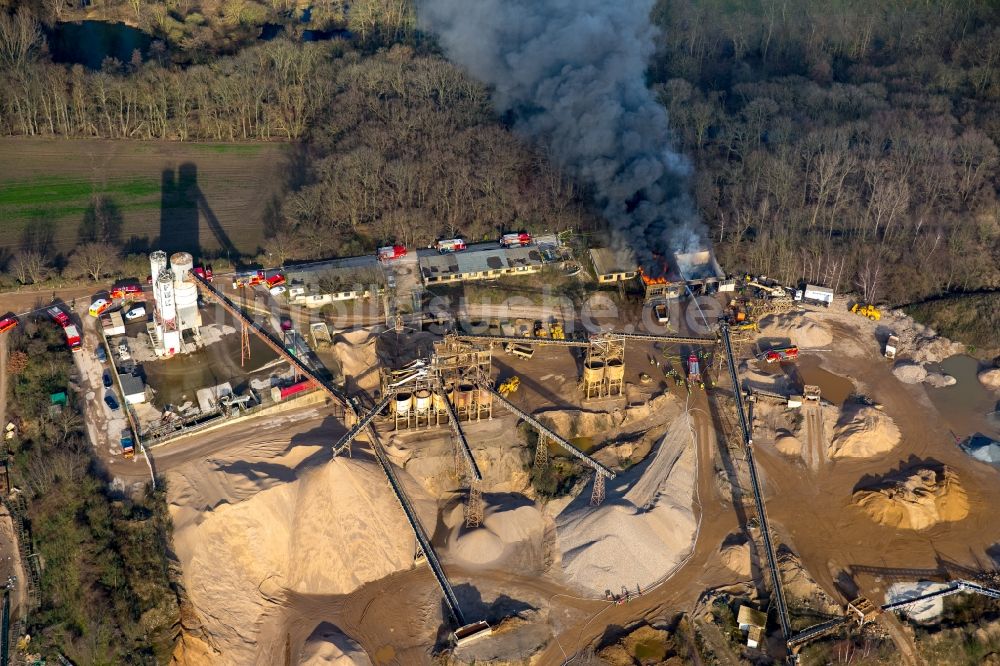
645, 526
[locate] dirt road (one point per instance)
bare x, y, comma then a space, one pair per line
814, 448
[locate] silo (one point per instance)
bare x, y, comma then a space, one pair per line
422, 401
440, 402
593, 372
616, 376
181, 264
157, 264
164, 294
463, 396
186, 300
404, 401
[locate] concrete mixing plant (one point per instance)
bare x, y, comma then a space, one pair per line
176, 301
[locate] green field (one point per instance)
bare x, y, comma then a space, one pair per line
58, 197
210, 199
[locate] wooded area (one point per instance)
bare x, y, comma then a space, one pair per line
105, 593
847, 143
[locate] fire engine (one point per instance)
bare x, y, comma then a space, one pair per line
515, 240
248, 279
205, 273
694, 368
390, 252
275, 280
781, 354
8, 322
450, 245
125, 288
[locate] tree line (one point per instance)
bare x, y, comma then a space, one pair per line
270, 91
850, 144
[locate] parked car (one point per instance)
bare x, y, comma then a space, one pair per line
110, 401
106, 378
137, 312
278, 291
99, 353
99, 307
123, 352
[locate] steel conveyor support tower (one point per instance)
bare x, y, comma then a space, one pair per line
772, 562
602, 473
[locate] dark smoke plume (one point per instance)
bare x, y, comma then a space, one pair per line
572, 74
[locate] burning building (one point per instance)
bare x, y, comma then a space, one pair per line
175, 297
697, 271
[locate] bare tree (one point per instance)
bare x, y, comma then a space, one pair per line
29, 266
94, 260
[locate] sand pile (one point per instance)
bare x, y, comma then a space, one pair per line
929, 610
645, 526
863, 432
799, 584
788, 444
939, 380
800, 329
918, 342
328, 646
990, 378
909, 372
356, 352
735, 554
915, 498
328, 532
512, 535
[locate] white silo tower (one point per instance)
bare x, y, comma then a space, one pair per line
157, 264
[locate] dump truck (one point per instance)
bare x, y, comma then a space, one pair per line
660, 313
891, 346
519, 350
540, 330
320, 335
128, 445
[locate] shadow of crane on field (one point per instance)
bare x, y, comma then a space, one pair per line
182, 206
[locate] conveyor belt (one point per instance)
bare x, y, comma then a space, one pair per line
671, 339
504, 339
537, 425
363, 422
418, 531
271, 341
772, 562
463, 444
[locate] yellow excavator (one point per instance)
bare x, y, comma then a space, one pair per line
509, 386
557, 330
867, 310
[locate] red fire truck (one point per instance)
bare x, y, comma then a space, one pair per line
8, 322
450, 245
390, 252
515, 240
781, 354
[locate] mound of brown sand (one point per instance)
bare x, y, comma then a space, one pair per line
735, 555
990, 378
328, 646
788, 445
800, 329
327, 532
863, 432
915, 498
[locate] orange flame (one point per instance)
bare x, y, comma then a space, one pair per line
647, 280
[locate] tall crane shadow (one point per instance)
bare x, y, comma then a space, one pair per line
182, 206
